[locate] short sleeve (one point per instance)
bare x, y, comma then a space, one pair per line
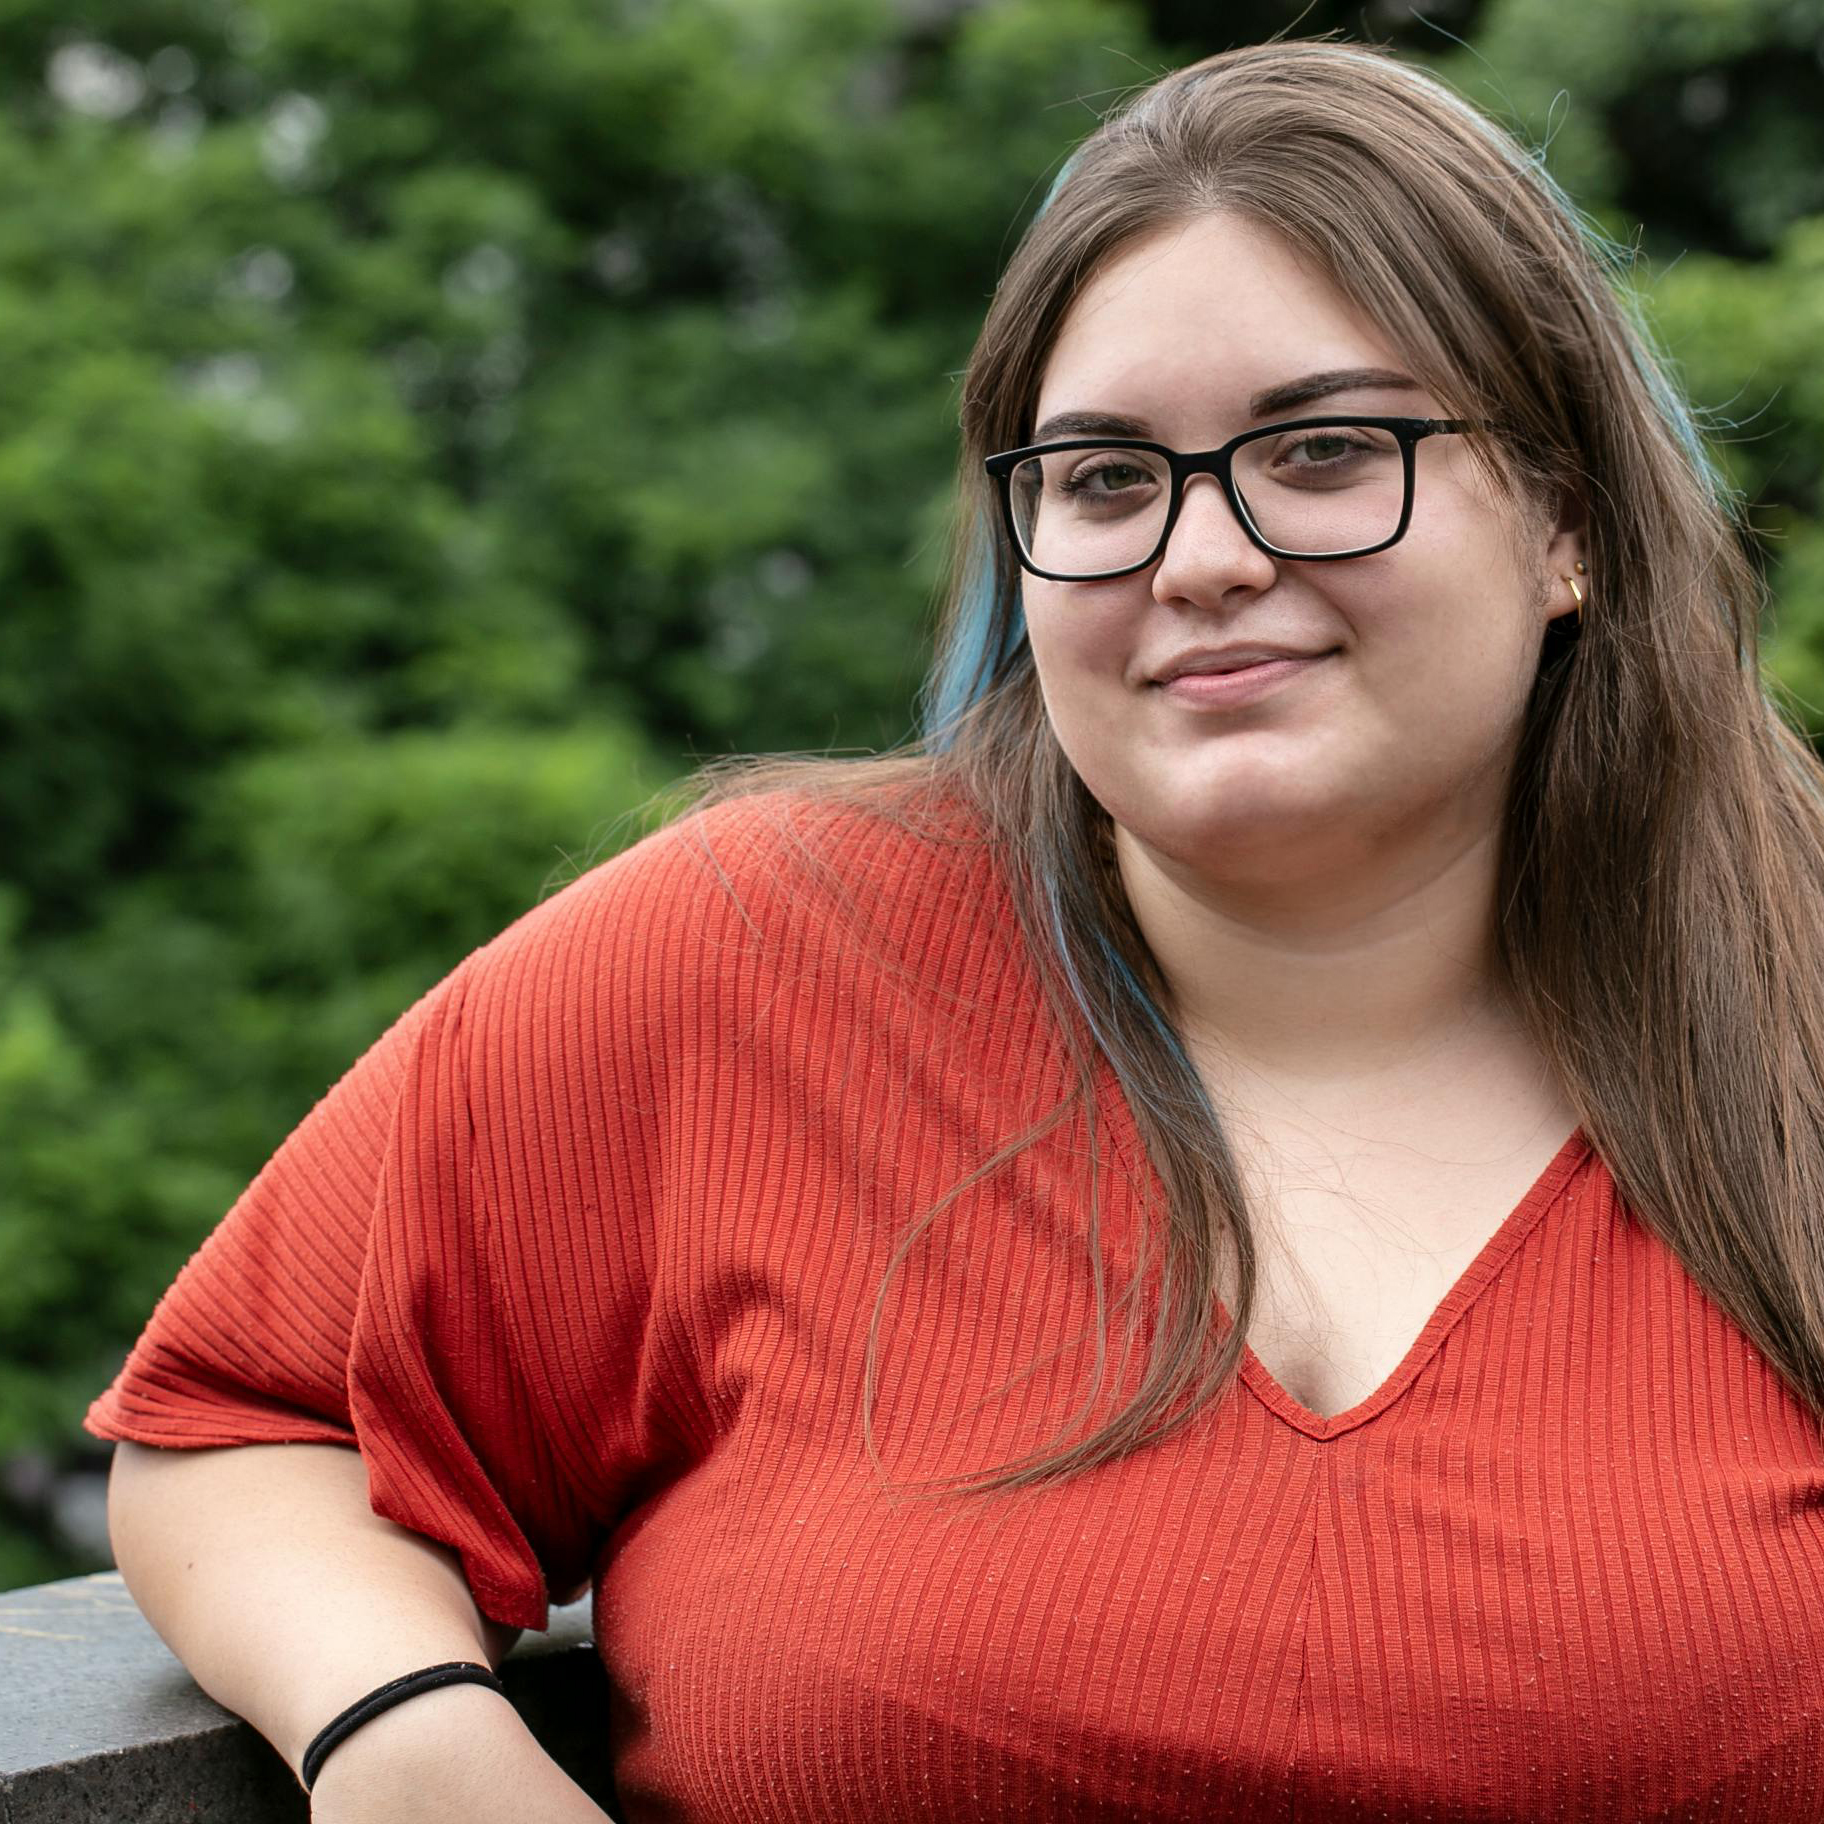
446, 1265
250, 1344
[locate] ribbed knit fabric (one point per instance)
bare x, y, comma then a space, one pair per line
582, 1256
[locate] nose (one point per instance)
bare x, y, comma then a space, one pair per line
1208, 553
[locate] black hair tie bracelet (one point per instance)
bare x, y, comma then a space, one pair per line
339, 1728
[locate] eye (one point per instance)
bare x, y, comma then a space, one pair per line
1322, 449
1323, 455
1106, 475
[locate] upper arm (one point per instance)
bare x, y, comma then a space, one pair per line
446, 1263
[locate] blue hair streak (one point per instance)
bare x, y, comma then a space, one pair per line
971, 658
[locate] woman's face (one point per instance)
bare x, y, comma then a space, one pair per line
1403, 721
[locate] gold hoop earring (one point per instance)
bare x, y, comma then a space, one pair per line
1576, 593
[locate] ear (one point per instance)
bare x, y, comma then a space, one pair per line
1563, 549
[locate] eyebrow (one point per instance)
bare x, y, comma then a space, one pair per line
1269, 404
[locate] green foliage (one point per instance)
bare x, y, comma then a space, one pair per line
1752, 336
421, 427
425, 424
1704, 119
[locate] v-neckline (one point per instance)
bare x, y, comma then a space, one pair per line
1481, 1272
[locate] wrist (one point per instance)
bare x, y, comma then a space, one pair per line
425, 1737
465, 1756
386, 1697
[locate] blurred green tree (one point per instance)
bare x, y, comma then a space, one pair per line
1695, 134
422, 429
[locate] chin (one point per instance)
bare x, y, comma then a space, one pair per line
1238, 825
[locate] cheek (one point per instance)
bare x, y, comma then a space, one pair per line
1082, 661
1080, 641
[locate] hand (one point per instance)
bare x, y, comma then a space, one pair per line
444, 1757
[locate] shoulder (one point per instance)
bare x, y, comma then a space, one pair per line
783, 844
775, 852
788, 869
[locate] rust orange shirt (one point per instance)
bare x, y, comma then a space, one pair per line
581, 1256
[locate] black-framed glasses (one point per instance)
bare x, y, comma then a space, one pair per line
1314, 489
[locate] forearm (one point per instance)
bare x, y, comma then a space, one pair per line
267, 1573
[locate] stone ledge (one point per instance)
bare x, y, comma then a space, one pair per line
99, 1723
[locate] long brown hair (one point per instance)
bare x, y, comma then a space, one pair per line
1662, 866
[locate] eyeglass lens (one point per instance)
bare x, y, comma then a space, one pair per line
1318, 490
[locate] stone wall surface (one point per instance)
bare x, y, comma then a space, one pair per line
99, 1724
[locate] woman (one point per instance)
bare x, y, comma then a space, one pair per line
1356, 886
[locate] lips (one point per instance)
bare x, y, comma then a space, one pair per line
1212, 692
1232, 658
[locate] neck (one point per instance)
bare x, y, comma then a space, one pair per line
1334, 978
